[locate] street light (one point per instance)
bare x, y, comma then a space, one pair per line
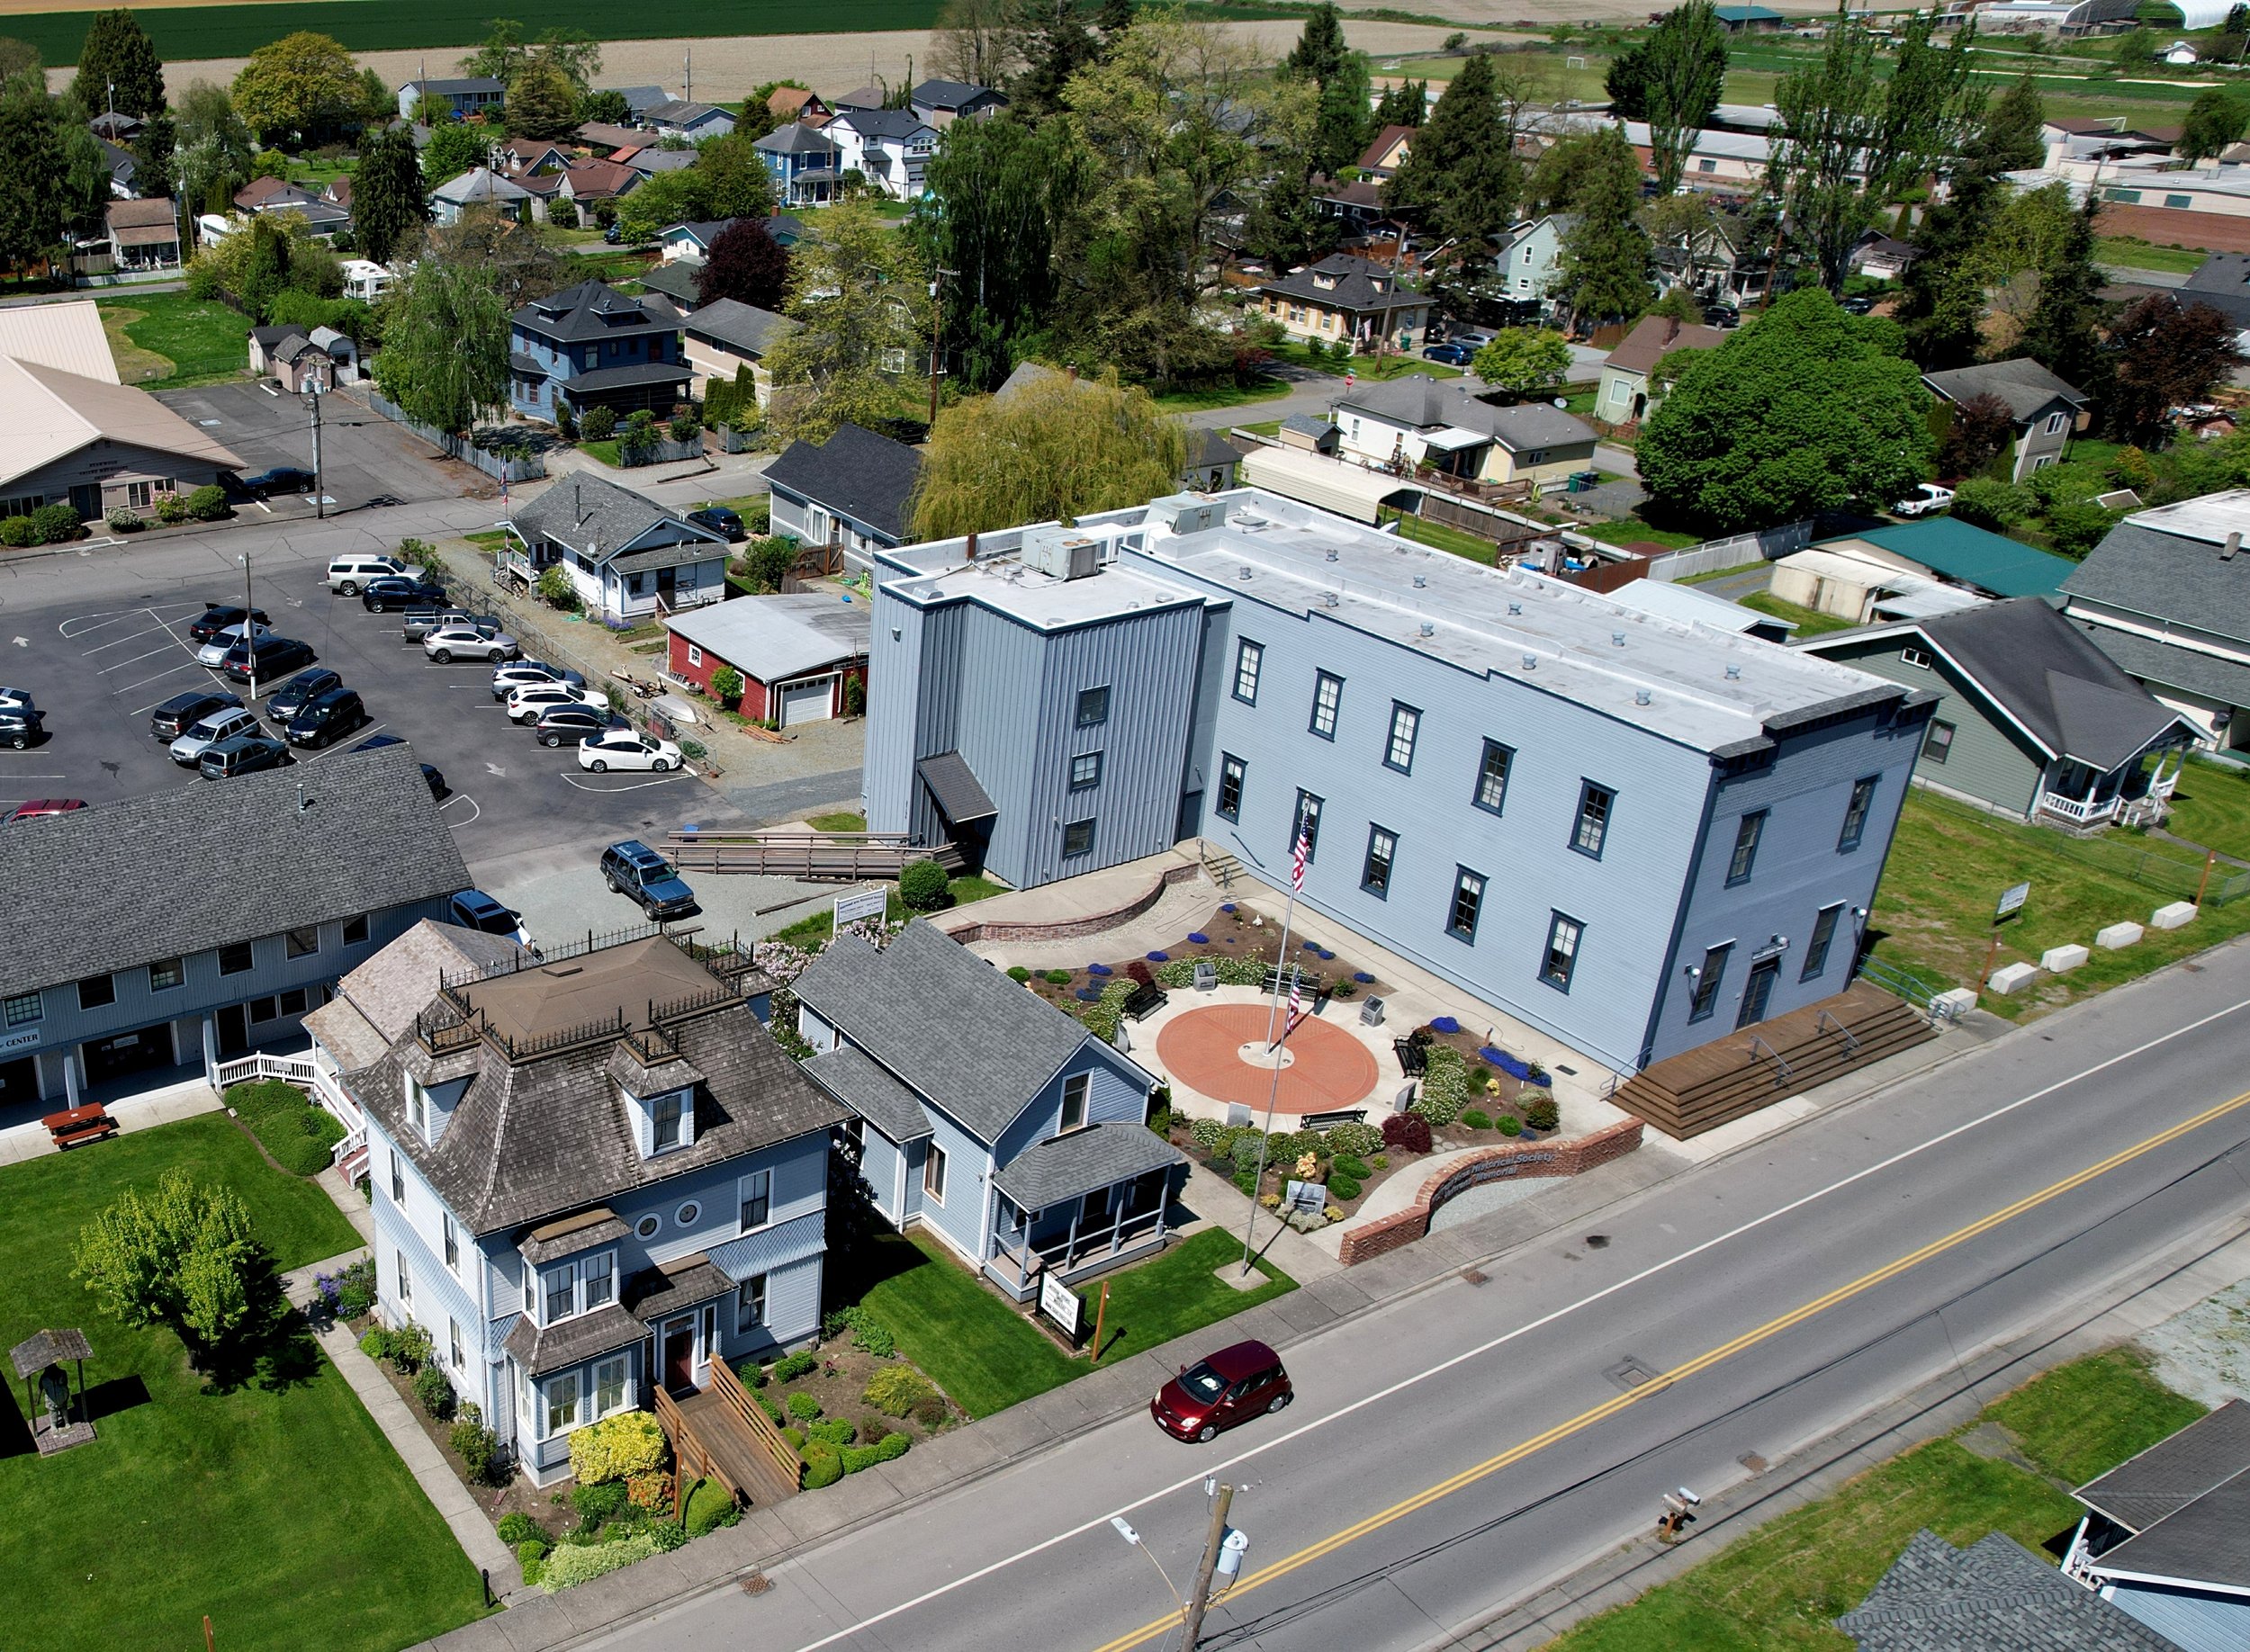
1133, 1537
250, 626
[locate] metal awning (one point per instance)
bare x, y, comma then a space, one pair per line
956, 787
1453, 438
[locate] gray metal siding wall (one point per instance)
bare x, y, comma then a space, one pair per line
1201, 774
996, 674
898, 694
1989, 760
1627, 900
1798, 869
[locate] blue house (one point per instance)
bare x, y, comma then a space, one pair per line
593, 1178
1630, 832
985, 1114
590, 345
804, 164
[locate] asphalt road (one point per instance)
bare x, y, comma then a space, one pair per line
362, 455
1454, 1450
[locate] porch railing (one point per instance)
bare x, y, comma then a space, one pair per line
2083, 812
1073, 1251
309, 1075
762, 1429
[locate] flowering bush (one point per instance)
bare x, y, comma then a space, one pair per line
577, 1563
1445, 1086
650, 1489
630, 1442
1357, 1140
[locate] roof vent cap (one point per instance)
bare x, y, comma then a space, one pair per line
1514, 608
1733, 673
1641, 697
1617, 639
1531, 663
1333, 555
1244, 574
1427, 629
1421, 581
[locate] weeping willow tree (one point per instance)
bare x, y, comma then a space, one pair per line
1052, 449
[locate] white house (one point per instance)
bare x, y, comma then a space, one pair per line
890, 147
627, 556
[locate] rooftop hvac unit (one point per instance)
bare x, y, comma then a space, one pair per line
1060, 553
1187, 513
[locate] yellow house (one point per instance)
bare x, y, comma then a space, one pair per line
1344, 296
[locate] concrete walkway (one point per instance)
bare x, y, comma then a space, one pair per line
142, 1112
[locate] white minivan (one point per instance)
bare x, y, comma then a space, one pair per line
348, 574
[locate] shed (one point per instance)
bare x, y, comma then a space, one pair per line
1968, 555
1347, 490
795, 651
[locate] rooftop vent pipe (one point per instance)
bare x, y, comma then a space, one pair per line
1733, 672
2233, 544
1428, 630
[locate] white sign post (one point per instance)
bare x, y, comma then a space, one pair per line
1061, 1304
861, 904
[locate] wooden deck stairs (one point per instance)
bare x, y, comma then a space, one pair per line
719, 1433
1730, 1077
838, 857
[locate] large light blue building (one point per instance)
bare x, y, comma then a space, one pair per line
590, 1176
1631, 832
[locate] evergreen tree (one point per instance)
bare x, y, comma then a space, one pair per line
1407, 103
1321, 57
1059, 49
388, 202
541, 103
153, 171
118, 68
1626, 83
1113, 17
1461, 174
31, 184
2009, 138
1943, 305
1683, 67
1606, 253
2063, 334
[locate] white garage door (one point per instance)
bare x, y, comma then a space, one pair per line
806, 702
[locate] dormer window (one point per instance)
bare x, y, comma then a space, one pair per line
599, 1279
418, 1107
666, 1113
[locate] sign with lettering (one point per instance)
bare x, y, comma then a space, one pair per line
2011, 900
861, 904
26, 1040
1061, 1304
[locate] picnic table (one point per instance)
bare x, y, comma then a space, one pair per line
76, 1126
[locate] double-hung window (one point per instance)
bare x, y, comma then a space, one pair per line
1468, 905
1399, 750
757, 1199
933, 1174
1327, 700
1493, 776
1383, 849
235, 959
1232, 771
1249, 656
406, 1277
1307, 824
562, 1293
1752, 828
97, 991
397, 1180
1075, 1088
601, 1279
301, 943
666, 1113
1077, 838
1708, 980
1824, 938
1563, 935
1592, 829
1937, 744
749, 1303
561, 1404
418, 1107
609, 1385
453, 1248
166, 973
1856, 813
453, 1343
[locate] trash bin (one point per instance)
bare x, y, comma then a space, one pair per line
1370, 1013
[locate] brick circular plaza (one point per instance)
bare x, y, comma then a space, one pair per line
1203, 1050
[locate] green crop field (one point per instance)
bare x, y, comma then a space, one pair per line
183, 34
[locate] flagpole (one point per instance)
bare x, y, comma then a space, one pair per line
1296, 882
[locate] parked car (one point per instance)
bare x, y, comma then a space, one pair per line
472, 908
524, 704
217, 616
244, 754
16, 699
280, 478
1451, 354
19, 728
430, 772
214, 651
720, 519
172, 718
1722, 315
347, 573
1926, 497
419, 623
1856, 306
398, 591
522, 673
573, 723
625, 749
472, 641
275, 658
39, 808
1229, 1387
633, 868
299, 691
208, 731
327, 719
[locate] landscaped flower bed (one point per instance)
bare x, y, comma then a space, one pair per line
851, 1402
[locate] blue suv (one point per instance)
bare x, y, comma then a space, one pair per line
633, 868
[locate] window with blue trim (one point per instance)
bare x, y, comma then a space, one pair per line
1752, 828
1561, 963
1085, 770
1382, 849
1249, 657
1468, 905
1306, 823
1856, 813
1824, 938
1713, 972
1405, 723
1592, 831
1232, 771
1493, 776
1327, 700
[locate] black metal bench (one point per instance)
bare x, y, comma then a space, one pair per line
1328, 1121
1145, 1002
1413, 1059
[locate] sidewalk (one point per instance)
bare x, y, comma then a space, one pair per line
142, 1112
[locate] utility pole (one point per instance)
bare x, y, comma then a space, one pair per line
319, 491
937, 334
688, 76
1199, 1597
250, 626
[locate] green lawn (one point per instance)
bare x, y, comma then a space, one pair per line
1723, 573
1438, 536
988, 1357
173, 341
1637, 529
1393, 364
1223, 395
1809, 621
1779, 1588
280, 1511
841, 820
1264, 427
1949, 862
2137, 254
2213, 807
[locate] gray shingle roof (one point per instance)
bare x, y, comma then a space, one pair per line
1424, 402
899, 123
952, 94
631, 374
1355, 283
578, 510
2148, 660
2022, 383
678, 281
1067, 1166
2174, 1473
954, 783
672, 112
2073, 697
552, 1348
590, 311
952, 1027
740, 326
532, 1140
855, 473
2167, 576
860, 1081
1994, 1596
797, 139
572, 1235
368, 840
684, 1284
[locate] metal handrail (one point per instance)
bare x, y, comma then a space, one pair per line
1851, 1040
1782, 1074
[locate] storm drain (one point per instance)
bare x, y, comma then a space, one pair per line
1632, 1373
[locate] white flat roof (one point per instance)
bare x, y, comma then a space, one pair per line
2210, 518
774, 638
1687, 604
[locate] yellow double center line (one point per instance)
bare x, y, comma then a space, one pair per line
1702, 1362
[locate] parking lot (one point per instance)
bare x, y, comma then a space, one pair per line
363, 455
98, 655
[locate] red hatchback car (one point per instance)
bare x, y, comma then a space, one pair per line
42, 806
1230, 1386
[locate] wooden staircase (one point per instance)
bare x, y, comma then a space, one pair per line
1732, 1076
836, 857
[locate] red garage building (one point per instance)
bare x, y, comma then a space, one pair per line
795, 652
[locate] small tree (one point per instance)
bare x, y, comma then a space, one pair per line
599, 423
770, 560
1980, 431
922, 887
855, 696
727, 686
180, 1257
1524, 360
555, 590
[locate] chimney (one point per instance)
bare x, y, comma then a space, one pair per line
2233, 544
969, 553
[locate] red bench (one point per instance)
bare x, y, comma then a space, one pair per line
79, 1126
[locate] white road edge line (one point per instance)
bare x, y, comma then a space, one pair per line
1482, 1349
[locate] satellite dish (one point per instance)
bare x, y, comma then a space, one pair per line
1562, 402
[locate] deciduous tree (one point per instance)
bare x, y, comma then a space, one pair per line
2168, 354
505, 53
859, 294
31, 186
1805, 409
746, 265
454, 148
2064, 332
445, 343
213, 156
1980, 430
118, 68
2215, 120
179, 1256
1001, 188
1683, 67
304, 84
388, 202
981, 42
1056, 449
1525, 361
541, 103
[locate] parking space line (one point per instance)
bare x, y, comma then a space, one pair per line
365, 732
115, 641
151, 654
453, 797
159, 677
571, 777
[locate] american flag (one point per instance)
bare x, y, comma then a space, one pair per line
1297, 858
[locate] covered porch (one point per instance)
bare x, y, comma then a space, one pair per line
2077, 796
716, 1429
1079, 1204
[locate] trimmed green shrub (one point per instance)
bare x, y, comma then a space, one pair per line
1208, 1135
409, 1351
615, 1447
753, 1375
377, 1342
923, 887
709, 1508
1511, 1125
770, 1406
667, 1535
56, 525
597, 1503
1057, 977
171, 508
1343, 1186
791, 1367
1544, 1114
1349, 1164
531, 1553
519, 1527
299, 1136
796, 1437
434, 1392
1477, 1119
836, 1431
1018, 974
804, 1406
598, 423
1247, 1147
477, 1445
856, 1458
897, 1389
208, 503
16, 533
823, 1465
727, 686
574, 1564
